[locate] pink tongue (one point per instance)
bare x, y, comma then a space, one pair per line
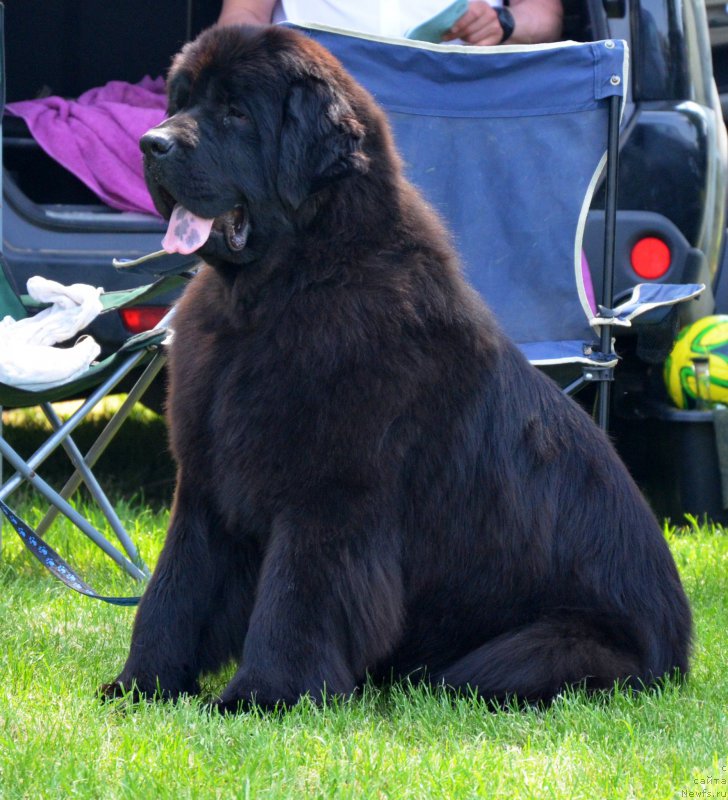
186, 232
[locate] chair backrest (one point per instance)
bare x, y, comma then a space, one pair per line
10, 303
507, 143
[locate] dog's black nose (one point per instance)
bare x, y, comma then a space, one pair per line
156, 143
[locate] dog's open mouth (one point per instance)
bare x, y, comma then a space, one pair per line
186, 232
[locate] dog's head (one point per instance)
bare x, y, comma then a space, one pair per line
260, 121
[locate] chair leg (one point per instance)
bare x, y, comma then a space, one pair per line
84, 472
604, 394
74, 420
84, 464
25, 470
67, 510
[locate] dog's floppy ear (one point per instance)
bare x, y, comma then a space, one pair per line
178, 90
320, 142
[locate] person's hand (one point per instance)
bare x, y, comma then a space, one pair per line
478, 25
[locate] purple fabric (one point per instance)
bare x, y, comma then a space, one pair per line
96, 137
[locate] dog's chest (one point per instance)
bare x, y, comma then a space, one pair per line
243, 417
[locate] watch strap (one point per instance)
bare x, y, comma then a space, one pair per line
507, 23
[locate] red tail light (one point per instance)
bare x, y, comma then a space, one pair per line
142, 318
650, 258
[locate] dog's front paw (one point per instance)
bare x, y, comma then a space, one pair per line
118, 690
135, 690
230, 706
248, 690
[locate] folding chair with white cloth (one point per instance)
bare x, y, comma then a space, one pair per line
42, 362
35, 372
509, 144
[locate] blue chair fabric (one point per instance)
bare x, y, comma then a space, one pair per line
508, 144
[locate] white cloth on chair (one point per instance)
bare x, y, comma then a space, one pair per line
28, 359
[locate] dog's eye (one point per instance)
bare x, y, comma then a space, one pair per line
237, 113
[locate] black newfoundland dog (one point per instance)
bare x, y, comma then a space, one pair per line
372, 480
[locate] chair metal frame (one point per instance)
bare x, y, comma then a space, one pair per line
26, 469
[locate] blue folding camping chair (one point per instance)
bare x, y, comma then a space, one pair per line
509, 144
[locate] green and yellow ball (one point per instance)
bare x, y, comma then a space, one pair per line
705, 338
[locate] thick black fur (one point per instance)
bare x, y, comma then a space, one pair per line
372, 479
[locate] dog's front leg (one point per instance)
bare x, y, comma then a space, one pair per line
328, 606
178, 609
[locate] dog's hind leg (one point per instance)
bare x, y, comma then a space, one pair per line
535, 662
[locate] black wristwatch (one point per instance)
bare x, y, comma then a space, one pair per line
506, 22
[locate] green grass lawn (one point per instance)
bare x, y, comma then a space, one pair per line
57, 740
